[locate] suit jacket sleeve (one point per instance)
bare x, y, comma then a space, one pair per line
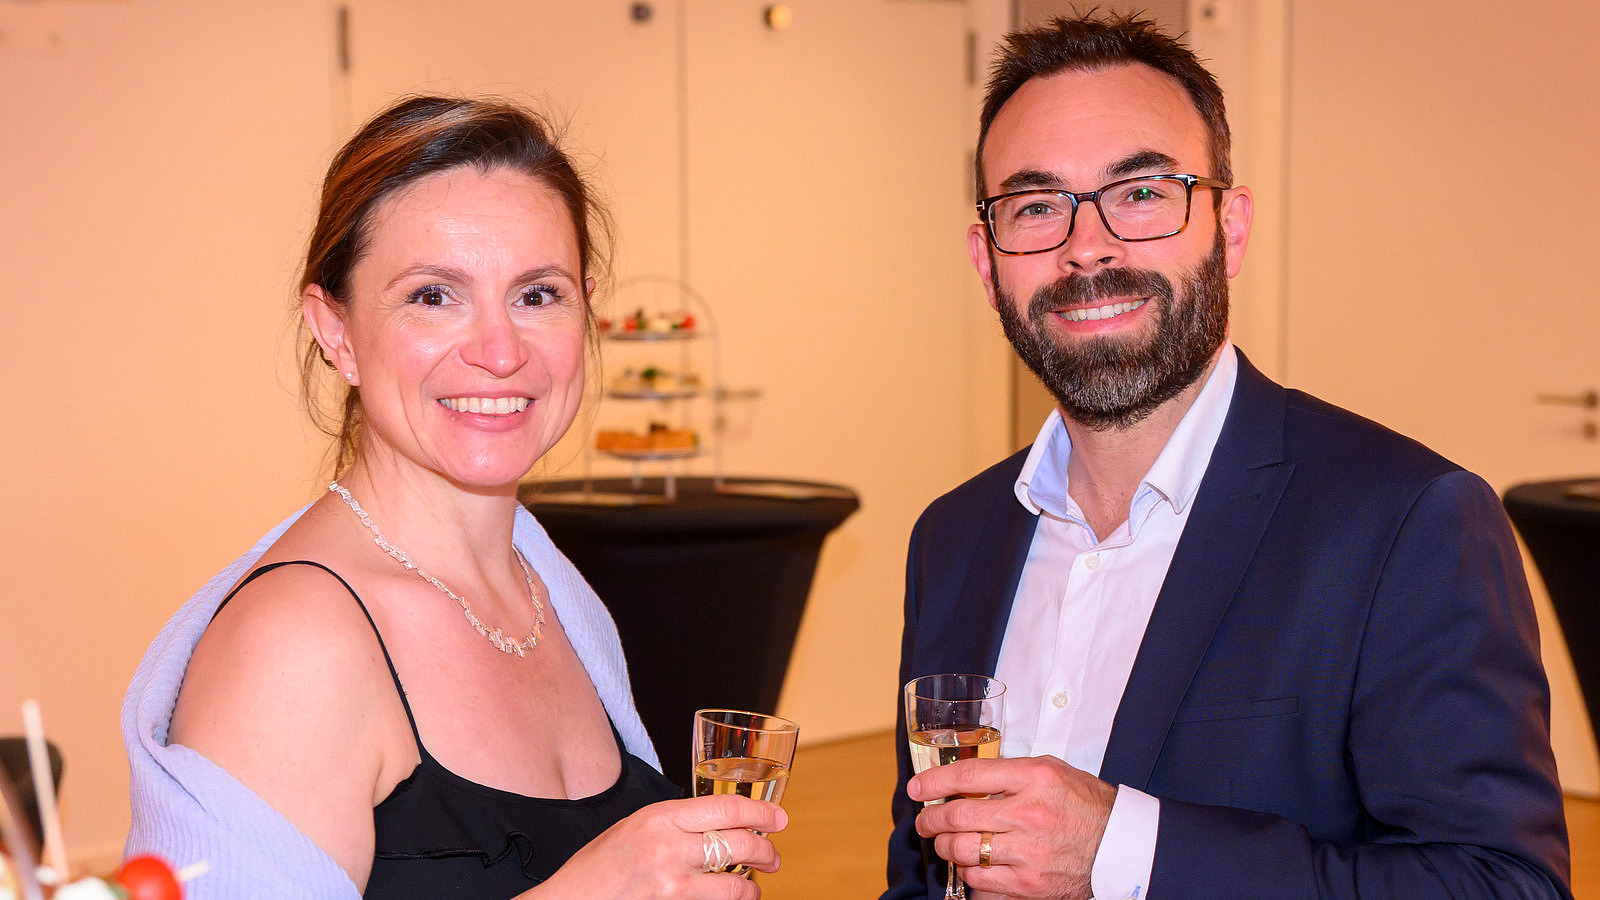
907, 866
1447, 742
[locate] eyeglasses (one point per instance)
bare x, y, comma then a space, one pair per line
1147, 208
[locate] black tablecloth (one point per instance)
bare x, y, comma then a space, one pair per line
707, 590
1560, 523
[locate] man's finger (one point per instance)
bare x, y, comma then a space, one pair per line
956, 816
980, 777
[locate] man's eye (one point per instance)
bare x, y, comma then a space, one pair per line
1142, 193
1034, 208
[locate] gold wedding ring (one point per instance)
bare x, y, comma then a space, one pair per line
985, 848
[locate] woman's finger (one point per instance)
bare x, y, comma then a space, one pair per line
701, 814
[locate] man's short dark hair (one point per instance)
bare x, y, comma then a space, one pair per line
1101, 41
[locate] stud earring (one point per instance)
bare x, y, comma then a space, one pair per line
350, 377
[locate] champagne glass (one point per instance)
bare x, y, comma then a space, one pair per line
744, 753
950, 718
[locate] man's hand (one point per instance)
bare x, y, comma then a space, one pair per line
1046, 816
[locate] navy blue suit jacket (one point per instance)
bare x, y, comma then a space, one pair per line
1339, 693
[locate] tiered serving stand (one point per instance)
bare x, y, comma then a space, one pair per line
660, 300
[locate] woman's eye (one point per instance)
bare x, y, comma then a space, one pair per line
539, 295
428, 296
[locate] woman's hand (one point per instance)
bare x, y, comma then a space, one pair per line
660, 852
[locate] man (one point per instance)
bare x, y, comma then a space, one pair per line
1255, 645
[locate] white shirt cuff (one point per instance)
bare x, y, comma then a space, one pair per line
1128, 850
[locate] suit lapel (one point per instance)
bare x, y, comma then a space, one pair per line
1242, 485
977, 622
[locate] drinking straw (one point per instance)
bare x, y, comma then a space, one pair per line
44, 787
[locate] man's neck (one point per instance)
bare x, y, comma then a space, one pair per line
1106, 466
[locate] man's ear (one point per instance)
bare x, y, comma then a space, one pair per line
1237, 212
327, 325
982, 260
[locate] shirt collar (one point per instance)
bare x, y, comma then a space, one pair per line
1182, 464
1041, 486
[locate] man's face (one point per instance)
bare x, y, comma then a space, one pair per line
1113, 328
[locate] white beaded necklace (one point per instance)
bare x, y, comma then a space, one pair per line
496, 636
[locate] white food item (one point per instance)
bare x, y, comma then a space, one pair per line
86, 889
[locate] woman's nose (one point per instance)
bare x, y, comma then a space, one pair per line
494, 345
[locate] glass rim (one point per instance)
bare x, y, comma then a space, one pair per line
989, 678
778, 724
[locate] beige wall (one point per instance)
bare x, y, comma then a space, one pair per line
157, 169
159, 172
153, 216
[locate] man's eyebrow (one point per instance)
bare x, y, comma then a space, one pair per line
1140, 163
1030, 178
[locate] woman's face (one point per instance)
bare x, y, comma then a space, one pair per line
465, 326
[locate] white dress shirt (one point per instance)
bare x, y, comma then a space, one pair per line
1081, 610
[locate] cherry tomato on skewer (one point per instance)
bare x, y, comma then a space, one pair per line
148, 878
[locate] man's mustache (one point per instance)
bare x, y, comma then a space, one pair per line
1078, 290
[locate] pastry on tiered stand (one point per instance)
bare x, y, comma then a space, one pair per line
647, 325
654, 382
661, 441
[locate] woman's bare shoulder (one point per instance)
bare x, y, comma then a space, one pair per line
288, 691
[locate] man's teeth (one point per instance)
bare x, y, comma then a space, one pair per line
1089, 314
493, 406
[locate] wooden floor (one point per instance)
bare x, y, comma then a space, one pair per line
838, 803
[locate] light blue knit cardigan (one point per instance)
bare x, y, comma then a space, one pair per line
186, 809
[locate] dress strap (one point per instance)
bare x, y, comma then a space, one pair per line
399, 688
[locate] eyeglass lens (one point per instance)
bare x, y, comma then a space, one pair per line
1138, 209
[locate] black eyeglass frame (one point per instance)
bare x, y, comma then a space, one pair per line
986, 206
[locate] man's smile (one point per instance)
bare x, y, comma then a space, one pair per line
1095, 313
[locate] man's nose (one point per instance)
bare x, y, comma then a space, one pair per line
1090, 246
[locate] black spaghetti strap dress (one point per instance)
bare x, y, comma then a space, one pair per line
440, 835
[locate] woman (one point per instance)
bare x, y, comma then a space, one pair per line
411, 692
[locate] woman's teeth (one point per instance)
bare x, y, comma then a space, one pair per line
1091, 313
491, 406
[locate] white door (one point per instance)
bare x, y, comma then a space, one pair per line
1443, 209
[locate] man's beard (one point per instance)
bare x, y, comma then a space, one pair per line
1108, 383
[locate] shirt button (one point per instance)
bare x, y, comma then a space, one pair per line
1092, 562
1059, 701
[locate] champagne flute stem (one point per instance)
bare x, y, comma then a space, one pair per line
953, 889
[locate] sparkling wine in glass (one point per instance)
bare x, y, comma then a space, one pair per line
951, 718
744, 753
